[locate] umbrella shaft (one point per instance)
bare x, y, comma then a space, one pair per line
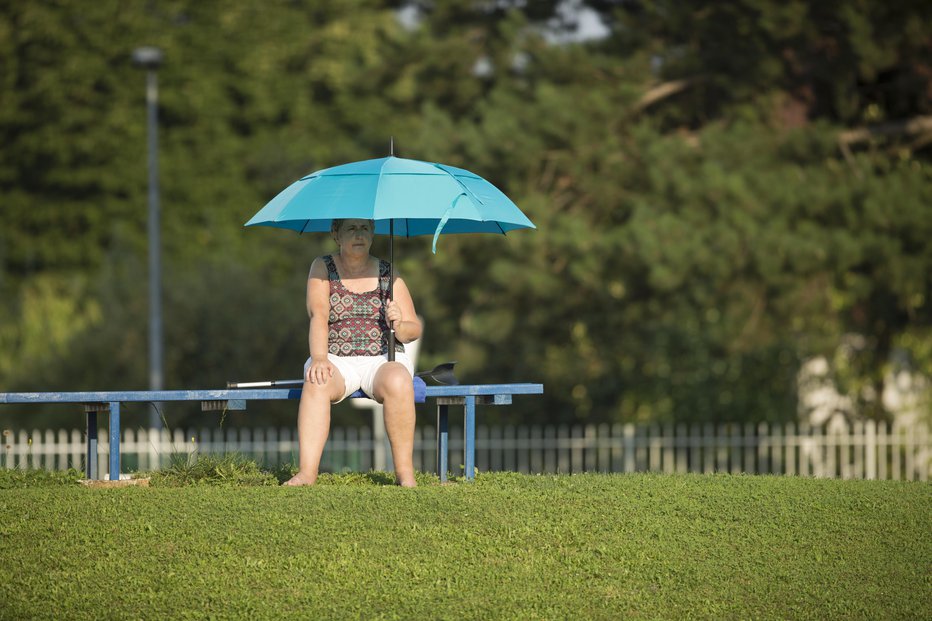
391, 285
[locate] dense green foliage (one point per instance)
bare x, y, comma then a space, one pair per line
211, 470
709, 216
509, 546
11, 478
237, 470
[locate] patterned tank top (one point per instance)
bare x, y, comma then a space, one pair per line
357, 325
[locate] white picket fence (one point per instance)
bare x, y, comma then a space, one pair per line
862, 450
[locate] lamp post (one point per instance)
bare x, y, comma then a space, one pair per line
150, 59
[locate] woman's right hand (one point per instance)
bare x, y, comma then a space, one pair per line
319, 372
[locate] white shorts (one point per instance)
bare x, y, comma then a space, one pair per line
359, 371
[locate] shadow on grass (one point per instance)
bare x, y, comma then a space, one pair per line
373, 477
380, 478
283, 472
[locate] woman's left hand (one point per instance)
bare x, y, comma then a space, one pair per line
393, 314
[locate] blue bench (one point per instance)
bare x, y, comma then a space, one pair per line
466, 395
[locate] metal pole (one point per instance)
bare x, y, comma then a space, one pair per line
443, 435
391, 262
469, 437
150, 58
90, 464
391, 286
156, 380
115, 441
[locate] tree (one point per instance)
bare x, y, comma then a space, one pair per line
721, 190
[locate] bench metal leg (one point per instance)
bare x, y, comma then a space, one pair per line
442, 439
115, 441
90, 462
469, 437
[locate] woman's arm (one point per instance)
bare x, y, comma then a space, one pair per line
401, 312
318, 310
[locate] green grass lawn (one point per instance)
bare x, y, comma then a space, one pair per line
508, 546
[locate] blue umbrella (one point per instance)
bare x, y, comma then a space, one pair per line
404, 197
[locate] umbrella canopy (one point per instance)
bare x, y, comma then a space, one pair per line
404, 197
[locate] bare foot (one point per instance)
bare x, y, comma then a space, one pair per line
300, 479
407, 483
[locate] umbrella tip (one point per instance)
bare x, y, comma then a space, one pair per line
391, 146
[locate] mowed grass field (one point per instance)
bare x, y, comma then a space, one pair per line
508, 546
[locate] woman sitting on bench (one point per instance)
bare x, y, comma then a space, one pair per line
349, 310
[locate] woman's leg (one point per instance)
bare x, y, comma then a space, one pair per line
314, 426
393, 388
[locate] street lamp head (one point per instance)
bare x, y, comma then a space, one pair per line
147, 57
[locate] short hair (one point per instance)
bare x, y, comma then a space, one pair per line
336, 223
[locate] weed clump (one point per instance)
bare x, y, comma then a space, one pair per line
224, 469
